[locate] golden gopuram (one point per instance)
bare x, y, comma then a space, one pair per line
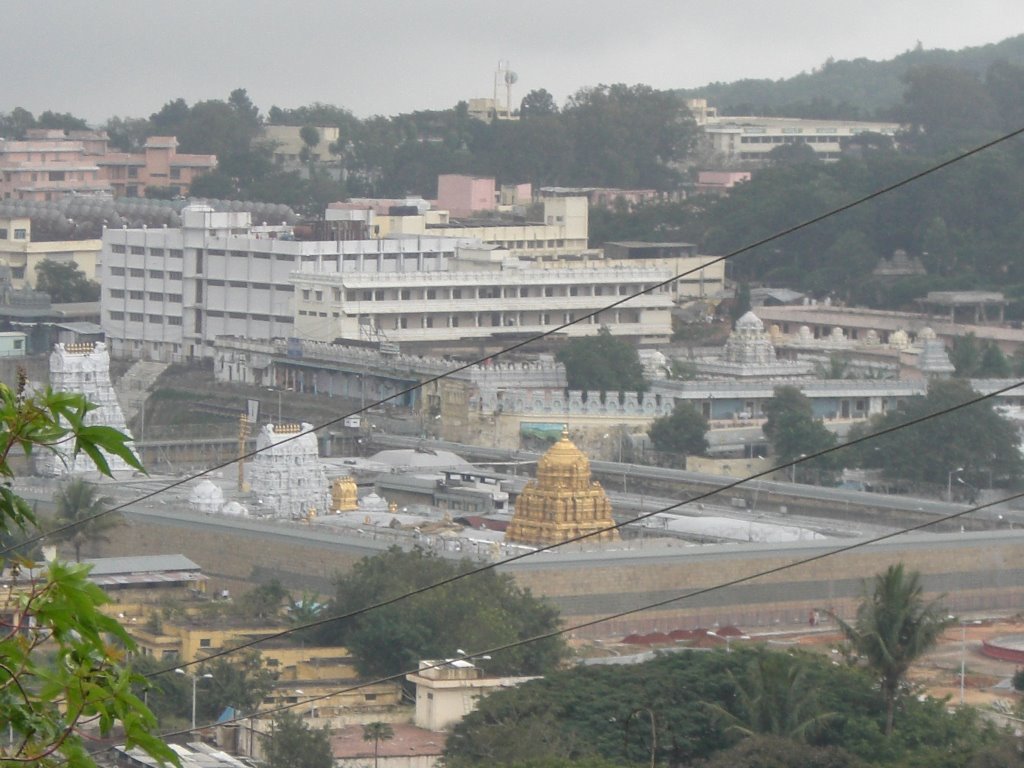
563, 502
344, 494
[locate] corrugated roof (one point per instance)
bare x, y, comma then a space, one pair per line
123, 566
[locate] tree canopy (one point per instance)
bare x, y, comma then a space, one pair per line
974, 441
793, 431
683, 431
475, 614
65, 283
602, 362
293, 744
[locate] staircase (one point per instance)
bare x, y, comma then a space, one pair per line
134, 386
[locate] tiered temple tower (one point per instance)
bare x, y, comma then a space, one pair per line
563, 502
286, 474
85, 368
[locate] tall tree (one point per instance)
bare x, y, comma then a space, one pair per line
602, 362
793, 431
80, 506
894, 626
377, 732
683, 431
293, 744
65, 282
537, 103
478, 614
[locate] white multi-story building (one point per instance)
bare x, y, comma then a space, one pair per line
752, 138
169, 293
480, 294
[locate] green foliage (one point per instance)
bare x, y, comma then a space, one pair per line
80, 506
974, 438
894, 627
478, 614
684, 431
377, 732
61, 661
777, 752
263, 602
978, 361
240, 681
65, 283
602, 363
741, 304
579, 715
1018, 680
793, 431
293, 744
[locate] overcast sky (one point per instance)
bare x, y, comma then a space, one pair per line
128, 57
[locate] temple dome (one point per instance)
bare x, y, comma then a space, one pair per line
749, 322
563, 502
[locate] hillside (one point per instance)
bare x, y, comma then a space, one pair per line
860, 88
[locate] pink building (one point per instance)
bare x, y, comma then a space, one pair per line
465, 195
159, 165
48, 165
720, 181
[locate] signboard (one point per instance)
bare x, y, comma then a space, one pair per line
352, 421
549, 431
252, 411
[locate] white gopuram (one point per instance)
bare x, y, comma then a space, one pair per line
83, 368
286, 475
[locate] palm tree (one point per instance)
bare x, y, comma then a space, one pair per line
78, 504
377, 732
893, 628
773, 696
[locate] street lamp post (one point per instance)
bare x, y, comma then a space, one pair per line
654, 729
949, 482
195, 680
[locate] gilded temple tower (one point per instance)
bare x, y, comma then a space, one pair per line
563, 502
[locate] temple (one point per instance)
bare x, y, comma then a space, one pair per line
750, 354
563, 502
286, 475
84, 368
344, 494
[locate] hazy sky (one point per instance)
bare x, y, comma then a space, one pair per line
128, 57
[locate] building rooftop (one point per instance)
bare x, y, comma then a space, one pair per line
409, 741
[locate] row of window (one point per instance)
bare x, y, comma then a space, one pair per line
485, 292
138, 317
244, 316
138, 250
789, 139
19, 234
118, 293
157, 274
490, 320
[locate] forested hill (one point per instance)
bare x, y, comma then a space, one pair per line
860, 88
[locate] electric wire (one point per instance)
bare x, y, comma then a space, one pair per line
581, 537
621, 614
907, 180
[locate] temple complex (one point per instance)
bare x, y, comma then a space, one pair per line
562, 502
83, 368
286, 475
750, 354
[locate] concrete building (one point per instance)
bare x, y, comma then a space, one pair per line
751, 139
448, 689
465, 195
480, 295
168, 294
288, 145
158, 165
48, 165
19, 252
561, 232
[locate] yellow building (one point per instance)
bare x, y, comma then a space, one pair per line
563, 502
21, 254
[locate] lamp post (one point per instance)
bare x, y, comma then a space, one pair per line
654, 730
949, 482
195, 680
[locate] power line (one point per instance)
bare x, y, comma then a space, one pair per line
629, 612
616, 526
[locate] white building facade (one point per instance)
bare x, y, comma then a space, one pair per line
167, 294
